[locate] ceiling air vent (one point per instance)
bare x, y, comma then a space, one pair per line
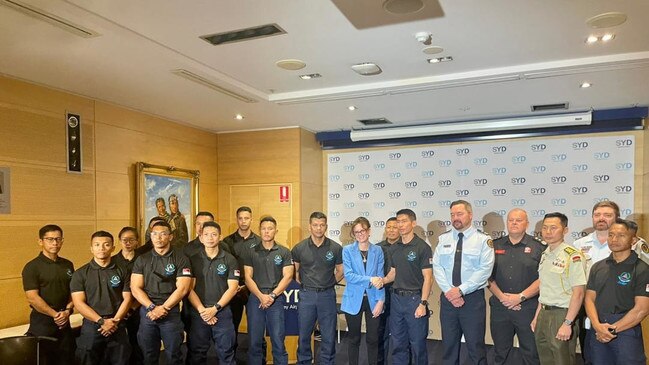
374, 121
212, 85
45, 16
243, 34
548, 107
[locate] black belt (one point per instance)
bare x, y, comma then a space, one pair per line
316, 289
551, 307
406, 293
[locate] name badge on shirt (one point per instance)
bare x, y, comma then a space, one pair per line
499, 252
528, 249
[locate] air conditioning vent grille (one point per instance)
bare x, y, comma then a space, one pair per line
374, 121
548, 107
243, 34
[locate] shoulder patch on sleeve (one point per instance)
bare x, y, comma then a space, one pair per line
644, 247
490, 243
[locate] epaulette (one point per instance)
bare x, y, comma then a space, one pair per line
570, 251
539, 240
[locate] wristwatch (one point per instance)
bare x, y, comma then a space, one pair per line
218, 307
424, 303
523, 298
101, 321
150, 307
273, 295
568, 322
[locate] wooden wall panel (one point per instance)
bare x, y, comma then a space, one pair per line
17, 313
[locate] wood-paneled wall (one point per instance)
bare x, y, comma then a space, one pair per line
32, 144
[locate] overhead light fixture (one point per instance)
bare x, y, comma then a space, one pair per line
367, 69
352, 108
310, 76
440, 59
550, 121
592, 39
48, 17
211, 84
238, 117
607, 37
585, 85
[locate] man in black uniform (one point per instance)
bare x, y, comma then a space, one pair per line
130, 240
318, 267
46, 281
216, 275
195, 245
147, 246
269, 271
160, 279
514, 284
101, 293
617, 300
412, 273
387, 245
237, 244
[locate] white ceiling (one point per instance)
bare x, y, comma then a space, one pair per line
509, 51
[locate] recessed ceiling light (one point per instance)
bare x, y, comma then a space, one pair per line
238, 117
607, 37
591, 39
352, 108
290, 64
606, 20
310, 76
440, 59
433, 50
585, 85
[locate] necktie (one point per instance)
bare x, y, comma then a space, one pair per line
457, 262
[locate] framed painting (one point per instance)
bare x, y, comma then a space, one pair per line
170, 193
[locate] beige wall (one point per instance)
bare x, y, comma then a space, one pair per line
32, 131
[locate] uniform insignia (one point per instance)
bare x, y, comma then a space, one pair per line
499, 252
645, 248
278, 260
187, 271
430, 261
585, 249
576, 258
624, 278
69, 272
237, 273
412, 256
447, 246
490, 243
221, 269
569, 250
170, 269
528, 250
329, 256
115, 281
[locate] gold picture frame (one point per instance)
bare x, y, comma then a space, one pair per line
174, 188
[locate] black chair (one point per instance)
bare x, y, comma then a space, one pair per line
28, 350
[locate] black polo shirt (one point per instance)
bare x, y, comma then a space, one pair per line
119, 259
387, 254
50, 278
239, 246
193, 247
516, 267
146, 247
212, 275
103, 286
317, 264
160, 273
408, 260
617, 284
268, 265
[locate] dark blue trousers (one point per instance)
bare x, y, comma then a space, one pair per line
408, 333
93, 348
505, 323
384, 330
262, 321
201, 335
626, 349
468, 320
320, 306
168, 329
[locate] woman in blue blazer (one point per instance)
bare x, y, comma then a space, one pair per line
364, 293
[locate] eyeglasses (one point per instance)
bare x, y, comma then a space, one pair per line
53, 239
128, 240
362, 231
160, 234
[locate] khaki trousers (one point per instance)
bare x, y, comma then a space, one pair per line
552, 351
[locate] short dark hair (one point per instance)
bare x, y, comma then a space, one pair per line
391, 219
244, 209
212, 224
129, 229
317, 215
156, 218
268, 218
160, 199
173, 196
205, 214
630, 225
409, 212
607, 204
561, 216
162, 223
466, 204
102, 234
49, 228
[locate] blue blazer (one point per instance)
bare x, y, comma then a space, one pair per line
358, 278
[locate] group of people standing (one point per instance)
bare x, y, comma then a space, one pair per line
131, 302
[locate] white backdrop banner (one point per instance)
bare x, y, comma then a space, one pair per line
568, 175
